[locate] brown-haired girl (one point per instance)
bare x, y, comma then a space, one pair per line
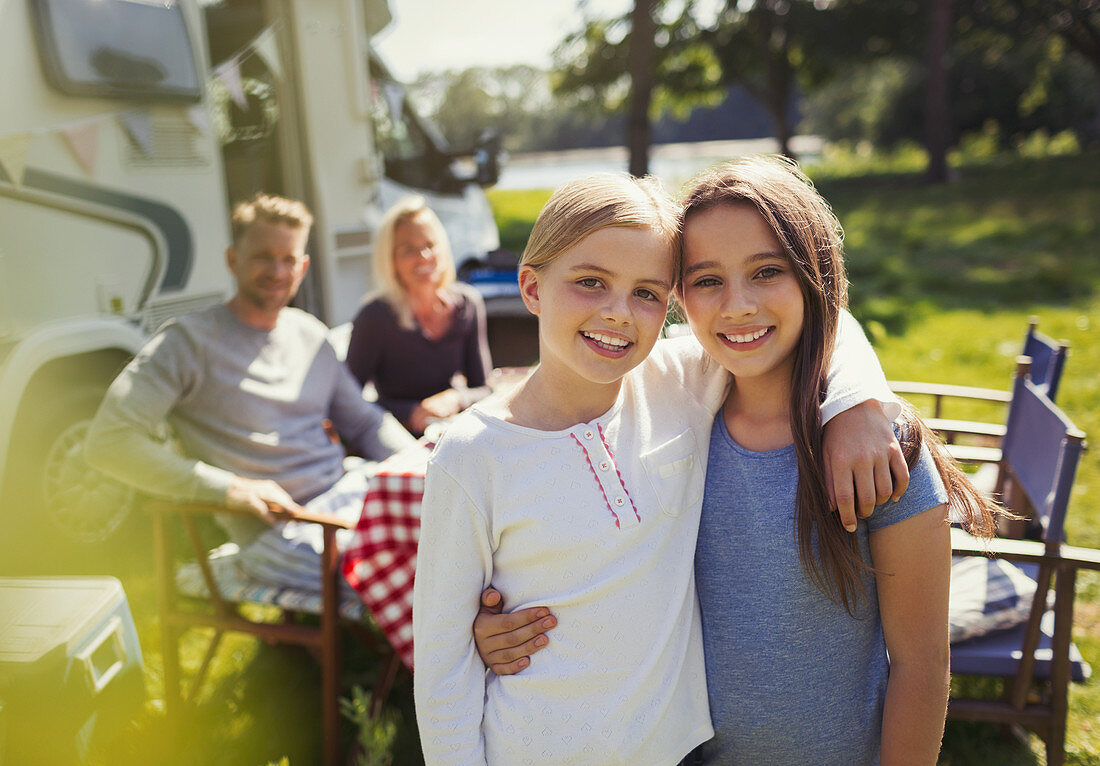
821, 647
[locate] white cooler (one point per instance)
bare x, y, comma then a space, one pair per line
70, 666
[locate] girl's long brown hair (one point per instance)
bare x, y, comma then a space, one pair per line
812, 240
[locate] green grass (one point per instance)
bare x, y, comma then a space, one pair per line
978, 348
515, 213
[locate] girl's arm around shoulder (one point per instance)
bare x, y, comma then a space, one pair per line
855, 374
911, 551
863, 461
454, 564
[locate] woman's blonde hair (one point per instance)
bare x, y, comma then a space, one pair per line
389, 287
601, 201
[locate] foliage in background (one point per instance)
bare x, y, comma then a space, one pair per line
590, 64
516, 100
374, 735
854, 68
1021, 86
773, 46
1075, 22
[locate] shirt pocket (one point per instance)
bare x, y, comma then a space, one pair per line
675, 473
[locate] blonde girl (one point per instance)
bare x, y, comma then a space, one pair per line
580, 491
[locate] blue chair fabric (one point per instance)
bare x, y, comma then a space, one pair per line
1040, 452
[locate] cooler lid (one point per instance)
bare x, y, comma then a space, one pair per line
39, 614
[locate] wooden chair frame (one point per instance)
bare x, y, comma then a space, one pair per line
1047, 718
322, 641
1057, 564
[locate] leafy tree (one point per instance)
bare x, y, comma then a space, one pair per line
515, 100
1068, 31
647, 62
1023, 76
1076, 22
759, 46
467, 109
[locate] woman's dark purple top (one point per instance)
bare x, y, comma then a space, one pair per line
405, 366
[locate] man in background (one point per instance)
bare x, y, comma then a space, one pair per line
247, 387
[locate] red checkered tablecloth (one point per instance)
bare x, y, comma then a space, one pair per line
381, 562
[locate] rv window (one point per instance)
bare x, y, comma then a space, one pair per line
412, 156
120, 48
404, 146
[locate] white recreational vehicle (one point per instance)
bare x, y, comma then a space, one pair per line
127, 128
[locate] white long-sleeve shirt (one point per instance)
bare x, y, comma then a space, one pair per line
597, 522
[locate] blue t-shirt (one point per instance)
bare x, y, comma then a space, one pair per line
792, 677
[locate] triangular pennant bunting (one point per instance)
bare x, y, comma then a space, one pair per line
139, 124
230, 75
198, 118
83, 141
13, 156
268, 47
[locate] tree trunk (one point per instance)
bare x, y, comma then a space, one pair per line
773, 41
937, 115
783, 130
640, 58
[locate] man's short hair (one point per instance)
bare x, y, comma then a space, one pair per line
270, 208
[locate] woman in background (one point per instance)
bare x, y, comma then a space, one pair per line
421, 338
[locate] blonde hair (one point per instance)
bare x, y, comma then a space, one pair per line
602, 201
269, 208
389, 287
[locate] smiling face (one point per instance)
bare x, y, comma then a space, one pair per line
741, 294
417, 257
601, 304
268, 262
